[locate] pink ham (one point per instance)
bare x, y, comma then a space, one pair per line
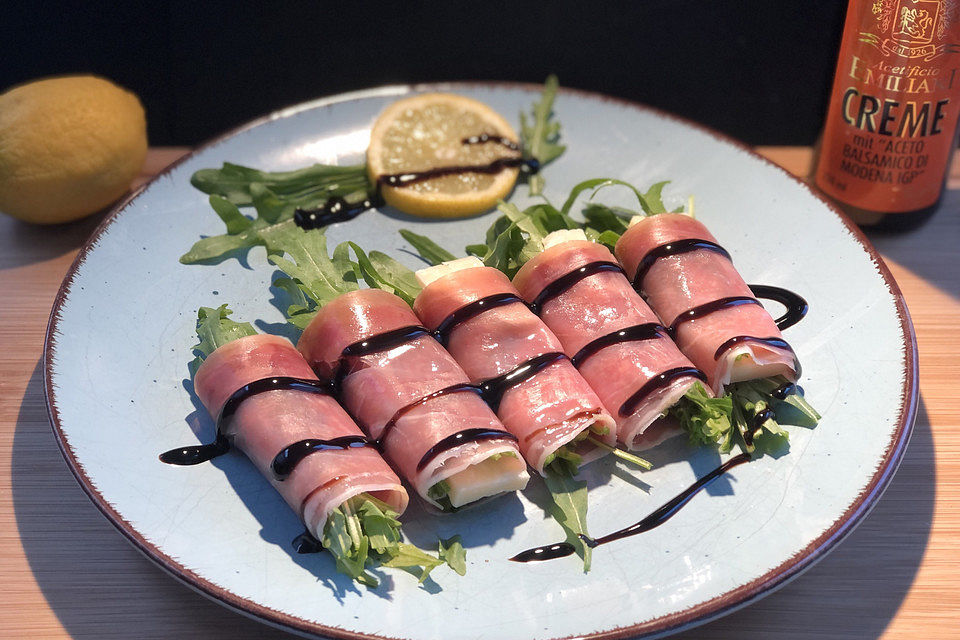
546, 411
598, 305
377, 386
266, 423
678, 283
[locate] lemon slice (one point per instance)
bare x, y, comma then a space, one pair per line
426, 132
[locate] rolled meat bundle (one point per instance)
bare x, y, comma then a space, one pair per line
518, 362
409, 394
611, 335
273, 408
691, 283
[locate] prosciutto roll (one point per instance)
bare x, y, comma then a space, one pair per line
409, 394
613, 337
264, 424
494, 336
690, 281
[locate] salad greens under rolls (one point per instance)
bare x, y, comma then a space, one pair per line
349, 497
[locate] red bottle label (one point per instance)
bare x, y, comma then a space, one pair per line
894, 107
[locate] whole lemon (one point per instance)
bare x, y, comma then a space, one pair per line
69, 146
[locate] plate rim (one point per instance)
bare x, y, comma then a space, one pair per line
696, 615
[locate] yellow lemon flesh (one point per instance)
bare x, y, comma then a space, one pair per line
426, 132
69, 146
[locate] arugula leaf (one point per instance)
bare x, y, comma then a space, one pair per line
728, 420
365, 532
407, 556
215, 329
452, 552
540, 135
705, 419
569, 508
275, 197
380, 271
318, 277
343, 538
430, 251
517, 236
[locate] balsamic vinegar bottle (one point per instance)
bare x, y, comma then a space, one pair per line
891, 127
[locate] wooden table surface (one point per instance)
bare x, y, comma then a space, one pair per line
66, 572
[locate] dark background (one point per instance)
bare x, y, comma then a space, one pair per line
757, 69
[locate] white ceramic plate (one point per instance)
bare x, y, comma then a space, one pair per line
118, 393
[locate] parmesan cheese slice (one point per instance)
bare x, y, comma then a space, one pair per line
434, 273
506, 473
561, 236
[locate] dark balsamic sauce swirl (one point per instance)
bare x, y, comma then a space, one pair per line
756, 424
337, 209
384, 341
655, 383
456, 388
672, 249
707, 308
796, 306
787, 389
655, 519
407, 178
452, 441
307, 543
332, 211
492, 390
636, 333
290, 456
470, 311
196, 454
484, 138
565, 282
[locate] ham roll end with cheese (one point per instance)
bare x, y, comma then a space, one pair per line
516, 360
266, 423
409, 394
611, 335
692, 285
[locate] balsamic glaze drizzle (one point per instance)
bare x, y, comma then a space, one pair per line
331, 211
756, 424
652, 521
657, 382
796, 306
646, 331
492, 390
487, 137
195, 454
456, 388
672, 249
528, 165
337, 209
289, 457
462, 437
384, 341
306, 543
786, 389
471, 310
565, 282
707, 308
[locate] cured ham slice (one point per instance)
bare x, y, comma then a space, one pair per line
690, 281
409, 394
584, 298
265, 423
494, 336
